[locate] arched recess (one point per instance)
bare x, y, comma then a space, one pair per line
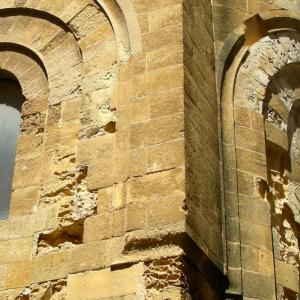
56, 77
120, 12
252, 141
125, 24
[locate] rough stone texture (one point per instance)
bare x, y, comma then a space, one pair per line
158, 155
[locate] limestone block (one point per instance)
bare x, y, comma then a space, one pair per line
121, 167
123, 117
71, 109
122, 93
104, 199
252, 162
236, 16
95, 149
33, 123
32, 106
50, 266
266, 261
143, 22
114, 249
19, 227
287, 275
100, 80
29, 146
166, 103
100, 175
276, 136
164, 57
99, 57
165, 156
137, 66
24, 200
137, 135
97, 228
119, 198
103, 33
256, 6
27, 173
136, 216
10, 294
156, 186
159, 80
122, 140
242, 116
89, 19
72, 9
139, 109
18, 274
256, 235
106, 283
164, 17
3, 273
246, 183
258, 286
254, 210
87, 257
65, 85
163, 37
118, 219
69, 132
250, 139
164, 129
53, 137
54, 114
164, 211
138, 162
46, 218
15, 250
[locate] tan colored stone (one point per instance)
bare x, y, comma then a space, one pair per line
152, 187
136, 216
165, 156
18, 274
164, 17
287, 275
97, 228
166, 103
87, 257
50, 266
95, 149
24, 200
16, 250
98, 284
159, 80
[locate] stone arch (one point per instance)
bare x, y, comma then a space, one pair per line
26, 67
120, 12
56, 75
275, 20
246, 73
125, 24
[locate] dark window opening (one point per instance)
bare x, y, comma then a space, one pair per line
11, 100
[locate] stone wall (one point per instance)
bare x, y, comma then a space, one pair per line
158, 150
258, 108
99, 207
204, 220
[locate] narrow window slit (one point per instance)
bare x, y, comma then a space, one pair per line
11, 100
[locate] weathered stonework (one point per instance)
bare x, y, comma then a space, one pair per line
158, 155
